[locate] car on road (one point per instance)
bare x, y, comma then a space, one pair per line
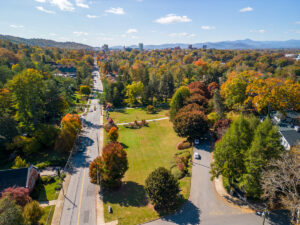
196, 155
197, 141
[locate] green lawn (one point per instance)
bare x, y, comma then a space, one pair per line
147, 149
46, 211
130, 115
45, 192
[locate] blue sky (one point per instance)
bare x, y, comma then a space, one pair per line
126, 22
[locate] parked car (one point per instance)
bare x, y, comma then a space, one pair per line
196, 155
197, 142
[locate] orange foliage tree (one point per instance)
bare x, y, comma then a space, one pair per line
113, 134
71, 120
274, 92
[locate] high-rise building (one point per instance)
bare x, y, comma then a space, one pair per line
141, 47
190, 46
105, 47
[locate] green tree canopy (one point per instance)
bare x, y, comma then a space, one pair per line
177, 101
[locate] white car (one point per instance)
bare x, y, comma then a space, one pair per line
197, 142
196, 155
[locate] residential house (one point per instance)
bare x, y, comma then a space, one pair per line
23, 177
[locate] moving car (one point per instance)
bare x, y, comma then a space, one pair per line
197, 142
196, 155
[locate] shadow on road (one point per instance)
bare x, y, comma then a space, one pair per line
189, 214
279, 217
130, 194
90, 124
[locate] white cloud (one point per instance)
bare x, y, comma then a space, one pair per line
63, 5
80, 33
42, 1
262, 31
41, 8
91, 16
81, 3
52, 34
173, 18
131, 30
246, 9
183, 34
16, 26
118, 11
208, 27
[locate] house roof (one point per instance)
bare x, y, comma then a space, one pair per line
291, 136
13, 177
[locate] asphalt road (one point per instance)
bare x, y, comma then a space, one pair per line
80, 199
205, 206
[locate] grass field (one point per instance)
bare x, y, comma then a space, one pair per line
130, 115
147, 149
46, 211
45, 192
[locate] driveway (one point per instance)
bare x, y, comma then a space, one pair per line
205, 206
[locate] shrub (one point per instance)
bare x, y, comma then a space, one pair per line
113, 134
177, 173
20, 163
10, 212
151, 109
19, 194
47, 179
42, 165
183, 145
32, 213
162, 188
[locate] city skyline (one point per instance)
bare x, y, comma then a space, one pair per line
131, 22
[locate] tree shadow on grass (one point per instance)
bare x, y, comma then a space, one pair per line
188, 214
124, 145
130, 194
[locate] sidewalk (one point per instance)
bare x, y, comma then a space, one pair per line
153, 120
99, 199
47, 203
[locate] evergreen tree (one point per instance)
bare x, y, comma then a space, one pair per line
264, 147
230, 152
218, 103
177, 101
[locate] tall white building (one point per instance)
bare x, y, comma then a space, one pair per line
141, 47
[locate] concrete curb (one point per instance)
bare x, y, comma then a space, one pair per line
60, 201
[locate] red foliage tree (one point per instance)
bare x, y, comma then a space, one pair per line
212, 87
191, 107
198, 99
190, 124
199, 87
18, 194
221, 126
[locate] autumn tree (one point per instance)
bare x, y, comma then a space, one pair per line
113, 134
234, 89
65, 139
199, 87
71, 120
162, 188
32, 213
110, 167
276, 93
19, 194
178, 99
281, 181
10, 212
190, 124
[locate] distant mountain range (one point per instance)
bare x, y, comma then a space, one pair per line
239, 44
44, 42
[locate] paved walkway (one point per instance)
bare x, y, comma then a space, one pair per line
47, 203
152, 120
